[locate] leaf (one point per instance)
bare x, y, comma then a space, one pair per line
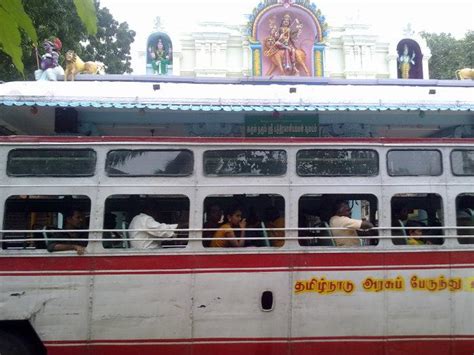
10, 38
15, 9
13, 18
86, 11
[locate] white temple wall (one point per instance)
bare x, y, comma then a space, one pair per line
221, 50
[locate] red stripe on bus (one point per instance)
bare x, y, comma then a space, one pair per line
252, 262
327, 346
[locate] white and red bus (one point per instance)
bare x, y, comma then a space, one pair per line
296, 293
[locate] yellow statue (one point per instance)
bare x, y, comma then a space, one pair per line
466, 73
406, 61
281, 48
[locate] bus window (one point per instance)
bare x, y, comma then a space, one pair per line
160, 214
410, 211
414, 162
244, 162
51, 162
465, 217
337, 162
149, 163
462, 162
261, 216
316, 223
43, 213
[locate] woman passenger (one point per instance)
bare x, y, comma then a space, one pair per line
226, 237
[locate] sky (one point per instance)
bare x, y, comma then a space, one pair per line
385, 16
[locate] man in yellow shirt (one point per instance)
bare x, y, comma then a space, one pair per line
342, 219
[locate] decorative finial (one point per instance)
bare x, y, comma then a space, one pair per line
286, 3
158, 26
408, 31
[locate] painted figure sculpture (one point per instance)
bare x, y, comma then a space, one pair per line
280, 46
75, 65
465, 73
49, 68
160, 58
406, 61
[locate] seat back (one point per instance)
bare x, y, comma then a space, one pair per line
266, 241
326, 233
400, 232
126, 235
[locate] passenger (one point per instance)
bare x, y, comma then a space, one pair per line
414, 233
399, 214
274, 220
214, 221
181, 236
465, 218
74, 219
342, 219
230, 238
399, 219
254, 236
110, 222
144, 220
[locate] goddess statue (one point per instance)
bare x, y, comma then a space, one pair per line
280, 46
406, 61
160, 58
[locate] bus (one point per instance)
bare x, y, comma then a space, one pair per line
290, 288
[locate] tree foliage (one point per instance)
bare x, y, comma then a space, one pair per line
14, 20
59, 18
111, 44
449, 54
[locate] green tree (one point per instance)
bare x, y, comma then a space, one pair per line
111, 44
59, 18
468, 49
17, 25
449, 54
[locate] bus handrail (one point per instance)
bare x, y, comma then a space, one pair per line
197, 238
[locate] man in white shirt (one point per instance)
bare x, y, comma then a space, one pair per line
144, 239
342, 219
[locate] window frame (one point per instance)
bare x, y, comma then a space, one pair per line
93, 172
206, 174
338, 175
412, 175
451, 161
149, 175
80, 200
141, 198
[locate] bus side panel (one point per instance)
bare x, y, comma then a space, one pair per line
55, 302
151, 309
230, 307
402, 303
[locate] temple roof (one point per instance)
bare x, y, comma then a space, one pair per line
247, 94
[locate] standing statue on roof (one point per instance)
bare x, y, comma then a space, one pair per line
160, 58
48, 64
406, 61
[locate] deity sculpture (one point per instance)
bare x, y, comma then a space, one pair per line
160, 58
280, 46
48, 64
406, 61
